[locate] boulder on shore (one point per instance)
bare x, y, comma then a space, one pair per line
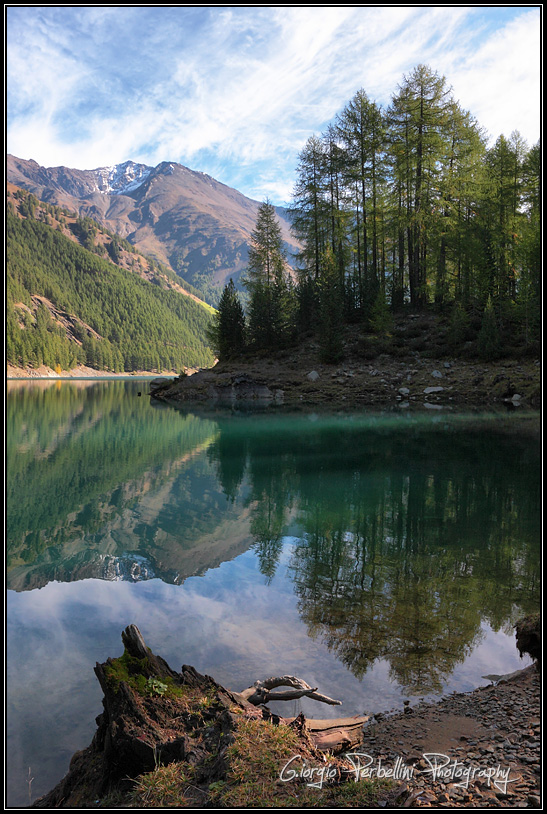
529, 637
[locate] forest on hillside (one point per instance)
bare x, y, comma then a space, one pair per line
118, 321
398, 208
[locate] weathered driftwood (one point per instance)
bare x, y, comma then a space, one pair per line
336, 734
261, 691
329, 735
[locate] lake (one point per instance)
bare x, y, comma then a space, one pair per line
380, 557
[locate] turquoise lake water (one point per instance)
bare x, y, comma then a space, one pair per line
381, 557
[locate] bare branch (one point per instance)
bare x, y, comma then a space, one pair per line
260, 692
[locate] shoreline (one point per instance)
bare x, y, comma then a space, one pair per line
44, 373
299, 380
433, 384
475, 749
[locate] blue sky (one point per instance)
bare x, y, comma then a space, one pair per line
235, 91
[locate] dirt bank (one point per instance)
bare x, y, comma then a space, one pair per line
299, 380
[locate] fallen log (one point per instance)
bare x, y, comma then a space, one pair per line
336, 734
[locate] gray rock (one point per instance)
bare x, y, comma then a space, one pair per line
437, 374
404, 391
429, 390
313, 376
160, 382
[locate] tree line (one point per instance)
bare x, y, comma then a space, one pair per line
400, 207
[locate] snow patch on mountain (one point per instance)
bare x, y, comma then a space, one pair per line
127, 568
121, 178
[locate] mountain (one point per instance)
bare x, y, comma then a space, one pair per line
185, 219
79, 295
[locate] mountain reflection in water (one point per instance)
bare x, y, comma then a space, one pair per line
398, 539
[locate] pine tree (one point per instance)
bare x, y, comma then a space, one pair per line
489, 338
331, 310
266, 282
381, 320
227, 331
458, 328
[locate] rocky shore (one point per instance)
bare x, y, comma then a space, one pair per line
415, 381
470, 750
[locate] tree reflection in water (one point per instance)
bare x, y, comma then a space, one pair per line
407, 539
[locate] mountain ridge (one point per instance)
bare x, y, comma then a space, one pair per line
184, 218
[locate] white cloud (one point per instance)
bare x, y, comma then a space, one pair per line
236, 88
501, 80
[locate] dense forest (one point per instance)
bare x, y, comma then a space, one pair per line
398, 208
68, 303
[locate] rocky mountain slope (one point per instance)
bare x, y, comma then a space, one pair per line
185, 219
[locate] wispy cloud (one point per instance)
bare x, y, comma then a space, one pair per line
236, 91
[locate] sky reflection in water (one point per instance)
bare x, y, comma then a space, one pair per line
378, 558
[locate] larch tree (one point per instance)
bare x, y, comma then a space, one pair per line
419, 124
361, 130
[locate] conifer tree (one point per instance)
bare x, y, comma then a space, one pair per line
458, 328
266, 282
489, 339
381, 320
331, 310
227, 330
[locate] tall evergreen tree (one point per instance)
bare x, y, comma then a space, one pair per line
227, 330
361, 129
309, 211
419, 117
266, 282
331, 310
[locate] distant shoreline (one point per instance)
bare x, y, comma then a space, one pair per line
44, 373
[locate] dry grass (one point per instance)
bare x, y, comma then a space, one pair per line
165, 787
